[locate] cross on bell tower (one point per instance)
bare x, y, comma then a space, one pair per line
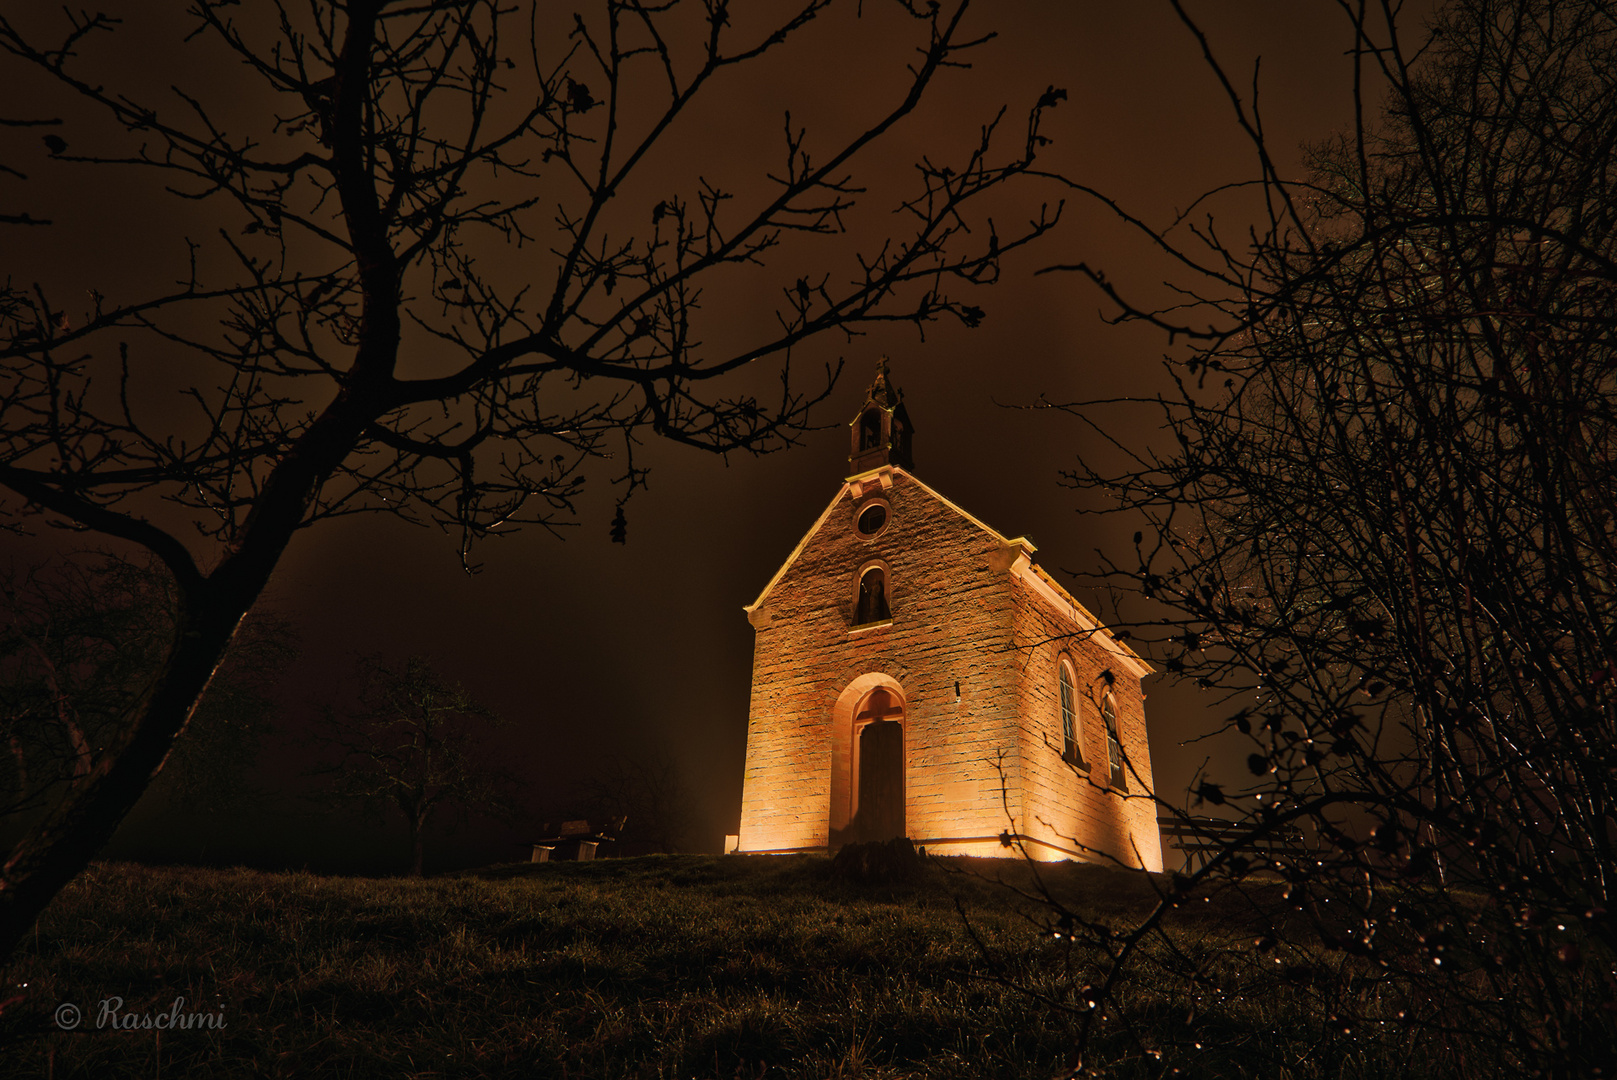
881, 429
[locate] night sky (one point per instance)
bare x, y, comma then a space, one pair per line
589, 647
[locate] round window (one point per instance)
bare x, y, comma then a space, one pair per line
872, 518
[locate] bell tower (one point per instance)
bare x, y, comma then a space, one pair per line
881, 430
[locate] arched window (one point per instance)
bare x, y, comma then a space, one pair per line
1114, 748
872, 605
1070, 751
901, 438
870, 429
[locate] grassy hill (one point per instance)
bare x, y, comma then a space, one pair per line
700, 967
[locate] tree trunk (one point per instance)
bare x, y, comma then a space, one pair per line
64, 843
62, 846
417, 832
59, 848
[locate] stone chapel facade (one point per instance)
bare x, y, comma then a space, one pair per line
916, 674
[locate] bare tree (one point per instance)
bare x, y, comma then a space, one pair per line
80, 638
1381, 527
417, 744
71, 657
646, 790
340, 342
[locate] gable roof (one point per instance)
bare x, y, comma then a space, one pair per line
1042, 582
1024, 567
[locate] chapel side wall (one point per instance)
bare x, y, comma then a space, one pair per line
1063, 803
952, 614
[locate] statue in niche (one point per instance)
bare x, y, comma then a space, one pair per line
872, 605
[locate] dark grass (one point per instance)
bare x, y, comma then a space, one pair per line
689, 967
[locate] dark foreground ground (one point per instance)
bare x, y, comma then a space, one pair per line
695, 967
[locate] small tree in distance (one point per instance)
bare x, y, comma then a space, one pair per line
416, 744
645, 789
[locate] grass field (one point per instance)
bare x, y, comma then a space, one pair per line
696, 967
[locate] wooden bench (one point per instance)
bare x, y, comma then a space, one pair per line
574, 840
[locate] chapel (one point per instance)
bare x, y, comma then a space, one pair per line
916, 674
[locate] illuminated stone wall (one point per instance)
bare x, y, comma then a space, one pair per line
962, 617
1070, 810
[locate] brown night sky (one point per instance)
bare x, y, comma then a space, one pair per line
589, 646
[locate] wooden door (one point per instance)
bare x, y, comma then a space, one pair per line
881, 781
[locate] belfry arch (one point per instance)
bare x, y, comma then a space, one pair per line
868, 760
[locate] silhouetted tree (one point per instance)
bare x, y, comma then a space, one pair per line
80, 640
1381, 527
417, 744
647, 791
337, 335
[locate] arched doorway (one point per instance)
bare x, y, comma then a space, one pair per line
878, 767
868, 772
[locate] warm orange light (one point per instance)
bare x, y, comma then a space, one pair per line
963, 673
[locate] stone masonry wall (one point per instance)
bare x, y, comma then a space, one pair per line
953, 611
1062, 803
